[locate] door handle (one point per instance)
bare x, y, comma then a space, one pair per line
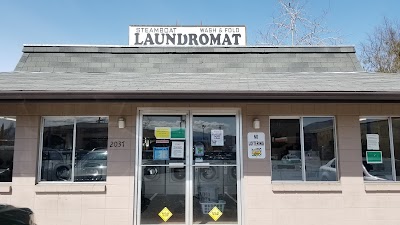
202, 165
176, 165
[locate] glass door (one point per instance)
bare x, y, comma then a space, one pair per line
188, 169
214, 169
163, 169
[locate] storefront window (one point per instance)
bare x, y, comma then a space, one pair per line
303, 149
74, 149
286, 149
396, 144
7, 140
380, 148
319, 148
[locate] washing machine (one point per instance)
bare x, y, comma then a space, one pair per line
230, 180
211, 177
175, 182
154, 180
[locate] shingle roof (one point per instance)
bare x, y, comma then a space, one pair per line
50, 58
234, 84
125, 72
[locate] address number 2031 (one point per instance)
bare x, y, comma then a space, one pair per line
117, 144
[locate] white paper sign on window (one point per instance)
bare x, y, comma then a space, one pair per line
177, 149
217, 138
373, 141
256, 145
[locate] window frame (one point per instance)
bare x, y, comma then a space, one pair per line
391, 146
39, 168
303, 161
14, 119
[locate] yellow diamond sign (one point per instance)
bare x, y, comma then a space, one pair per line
215, 213
165, 214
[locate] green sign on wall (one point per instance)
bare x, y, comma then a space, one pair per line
374, 157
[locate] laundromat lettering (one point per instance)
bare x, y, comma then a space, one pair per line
187, 36
220, 30
188, 39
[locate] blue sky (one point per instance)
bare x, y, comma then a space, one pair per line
106, 22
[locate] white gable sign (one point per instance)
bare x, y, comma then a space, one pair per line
185, 36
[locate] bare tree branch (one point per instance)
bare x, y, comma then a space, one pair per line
381, 51
293, 26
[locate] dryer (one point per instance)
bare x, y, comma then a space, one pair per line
154, 179
230, 179
209, 177
175, 182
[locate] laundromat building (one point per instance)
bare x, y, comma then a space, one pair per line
199, 135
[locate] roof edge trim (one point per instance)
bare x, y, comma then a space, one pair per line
109, 95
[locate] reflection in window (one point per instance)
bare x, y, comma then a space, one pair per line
376, 138
87, 146
91, 149
57, 149
7, 140
316, 149
396, 143
214, 139
159, 134
319, 148
286, 149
